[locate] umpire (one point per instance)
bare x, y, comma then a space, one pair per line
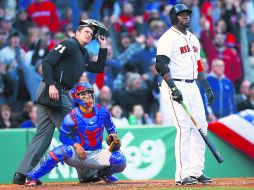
62, 68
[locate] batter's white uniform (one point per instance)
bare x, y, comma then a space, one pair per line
184, 53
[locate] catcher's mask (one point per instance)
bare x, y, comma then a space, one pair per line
83, 94
176, 10
97, 27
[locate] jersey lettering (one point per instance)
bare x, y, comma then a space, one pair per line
195, 49
61, 47
184, 49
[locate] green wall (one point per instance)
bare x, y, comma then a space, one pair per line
149, 151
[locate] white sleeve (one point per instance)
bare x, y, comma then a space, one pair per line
165, 45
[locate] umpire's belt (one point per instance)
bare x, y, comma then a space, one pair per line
184, 80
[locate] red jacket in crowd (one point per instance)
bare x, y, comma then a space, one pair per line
44, 14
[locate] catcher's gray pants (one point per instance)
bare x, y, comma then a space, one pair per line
48, 119
94, 161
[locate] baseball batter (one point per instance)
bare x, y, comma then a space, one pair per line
81, 134
178, 62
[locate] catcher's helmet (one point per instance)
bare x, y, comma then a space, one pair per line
98, 27
177, 9
81, 94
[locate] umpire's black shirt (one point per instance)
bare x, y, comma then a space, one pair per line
68, 60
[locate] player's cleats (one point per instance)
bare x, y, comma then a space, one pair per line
32, 182
92, 179
19, 179
187, 181
108, 179
203, 179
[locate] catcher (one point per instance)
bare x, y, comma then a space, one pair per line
81, 136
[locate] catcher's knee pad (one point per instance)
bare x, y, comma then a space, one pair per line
58, 154
61, 153
117, 161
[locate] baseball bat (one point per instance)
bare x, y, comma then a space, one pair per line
204, 136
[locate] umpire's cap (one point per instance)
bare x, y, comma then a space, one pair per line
97, 27
176, 10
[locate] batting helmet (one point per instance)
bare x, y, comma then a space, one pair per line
176, 10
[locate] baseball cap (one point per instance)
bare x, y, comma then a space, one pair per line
6, 18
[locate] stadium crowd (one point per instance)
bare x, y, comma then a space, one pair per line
128, 87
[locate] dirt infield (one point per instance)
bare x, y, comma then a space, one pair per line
136, 184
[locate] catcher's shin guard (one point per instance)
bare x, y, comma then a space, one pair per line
117, 164
58, 154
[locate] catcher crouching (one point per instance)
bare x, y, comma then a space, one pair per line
81, 135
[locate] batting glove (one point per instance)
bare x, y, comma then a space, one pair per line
209, 96
176, 95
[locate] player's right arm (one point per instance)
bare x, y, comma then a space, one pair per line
164, 49
67, 131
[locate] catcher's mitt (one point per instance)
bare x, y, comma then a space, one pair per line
113, 142
99, 28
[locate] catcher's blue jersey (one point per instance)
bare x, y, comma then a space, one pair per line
86, 129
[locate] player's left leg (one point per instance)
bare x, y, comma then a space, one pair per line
197, 143
58, 154
106, 163
117, 164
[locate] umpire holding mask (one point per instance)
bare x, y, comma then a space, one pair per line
62, 68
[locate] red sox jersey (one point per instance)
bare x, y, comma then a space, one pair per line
183, 51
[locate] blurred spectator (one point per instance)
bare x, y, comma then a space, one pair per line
153, 82
23, 115
133, 93
223, 90
113, 67
247, 51
33, 118
244, 92
250, 70
128, 20
105, 97
3, 39
67, 19
22, 23
195, 16
5, 120
142, 59
6, 89
44, 13
158, 27
248, 103
141, 118
117, 116
218, 49
6, 25
158, 118
8, 57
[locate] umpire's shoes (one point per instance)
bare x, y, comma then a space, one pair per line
203, 179
19, 178
92, 179
187, 181
32, 182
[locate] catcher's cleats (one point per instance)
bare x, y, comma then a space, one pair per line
32, 182
113, 142
107, 179
92, 179
99, 28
